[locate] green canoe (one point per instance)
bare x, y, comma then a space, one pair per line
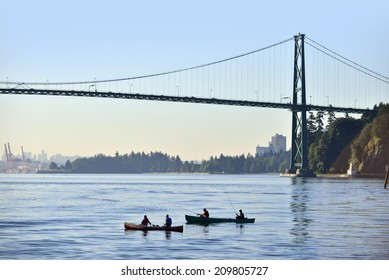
202, 220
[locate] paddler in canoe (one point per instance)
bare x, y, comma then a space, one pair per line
205, 214
240, 215
168, 221
145, 221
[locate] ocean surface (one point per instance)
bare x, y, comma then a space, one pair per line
81, 217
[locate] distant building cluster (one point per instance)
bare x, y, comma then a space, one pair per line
276, 145
26, 162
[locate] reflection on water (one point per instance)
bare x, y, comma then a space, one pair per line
145, 233
299, 206
168, 235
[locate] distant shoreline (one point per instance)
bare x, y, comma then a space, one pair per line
327, 175
365, 176
54, 171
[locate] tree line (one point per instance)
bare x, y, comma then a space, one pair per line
158, 162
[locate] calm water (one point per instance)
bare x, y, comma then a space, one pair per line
81, 217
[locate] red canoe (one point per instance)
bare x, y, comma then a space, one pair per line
130, 226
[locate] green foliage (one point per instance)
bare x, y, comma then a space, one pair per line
331, 117
162, 163
326, 146
269, 162
53, 166
369, 152
330, 145
319, 121
131, 163
68, 165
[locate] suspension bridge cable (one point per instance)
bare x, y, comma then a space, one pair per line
150, 75
347, 61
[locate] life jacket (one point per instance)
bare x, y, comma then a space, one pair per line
145, 222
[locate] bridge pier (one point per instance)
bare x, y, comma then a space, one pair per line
298, 173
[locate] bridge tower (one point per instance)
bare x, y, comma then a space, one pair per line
299, 148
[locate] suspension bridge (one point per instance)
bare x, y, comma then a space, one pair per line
297, 74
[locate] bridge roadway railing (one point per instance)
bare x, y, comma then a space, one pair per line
184, 99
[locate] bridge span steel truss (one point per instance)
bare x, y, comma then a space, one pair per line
183, 99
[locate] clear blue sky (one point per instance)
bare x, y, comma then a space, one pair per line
82, 40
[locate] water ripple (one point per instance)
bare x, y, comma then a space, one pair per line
81, 217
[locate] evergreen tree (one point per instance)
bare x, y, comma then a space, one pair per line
68, 165
311, 127
319, 122
53, 165
331, 118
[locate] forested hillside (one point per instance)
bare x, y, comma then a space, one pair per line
333, 143
370, 151
363, 142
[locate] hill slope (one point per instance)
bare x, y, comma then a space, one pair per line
370, 150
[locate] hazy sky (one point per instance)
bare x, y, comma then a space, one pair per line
82, 40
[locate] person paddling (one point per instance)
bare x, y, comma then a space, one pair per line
145, 221
205, 214
168, 221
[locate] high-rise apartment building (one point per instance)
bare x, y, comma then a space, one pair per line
277, 144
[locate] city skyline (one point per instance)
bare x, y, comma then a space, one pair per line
135, 38
43, 156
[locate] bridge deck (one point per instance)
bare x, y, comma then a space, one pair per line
184, 99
